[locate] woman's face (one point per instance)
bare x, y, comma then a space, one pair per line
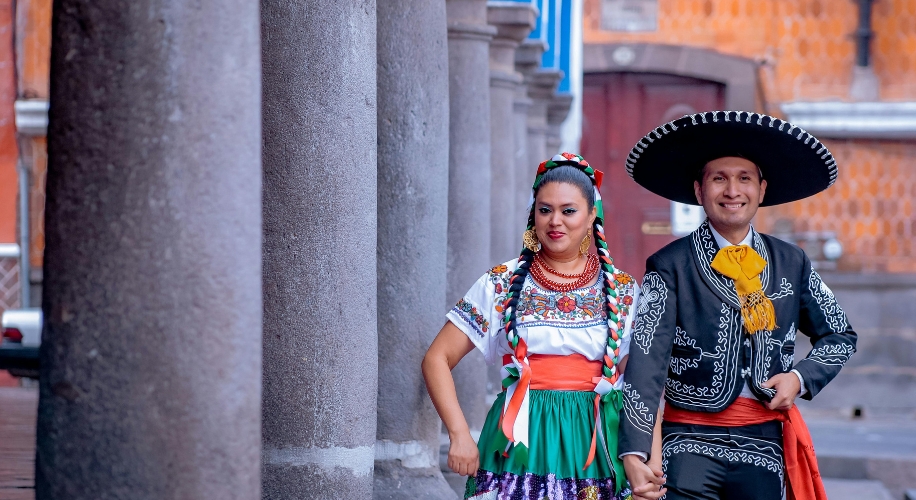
561, 219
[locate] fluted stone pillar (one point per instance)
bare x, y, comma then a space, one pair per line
557, 111
151, 360
542, 87
528, 63
513, 22
524, 169
412, 234
319, 212
469, 179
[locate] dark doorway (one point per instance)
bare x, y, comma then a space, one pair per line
618, 110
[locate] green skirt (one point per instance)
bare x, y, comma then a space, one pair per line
559, 437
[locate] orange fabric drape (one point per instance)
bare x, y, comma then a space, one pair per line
801, 464
561, 373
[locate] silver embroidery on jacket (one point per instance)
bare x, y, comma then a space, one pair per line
637, 412
725, 368
785, 290
764, 345
832, 355
787, 358
826, 301
650, 310
679, 363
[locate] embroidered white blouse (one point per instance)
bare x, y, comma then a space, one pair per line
550, 322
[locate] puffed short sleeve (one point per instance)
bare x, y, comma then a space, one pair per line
633, 294
479, 312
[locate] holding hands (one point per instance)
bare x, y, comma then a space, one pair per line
646, 479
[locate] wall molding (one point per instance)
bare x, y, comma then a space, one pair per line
738, 74
854, 120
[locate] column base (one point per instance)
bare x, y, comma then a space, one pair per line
396, 482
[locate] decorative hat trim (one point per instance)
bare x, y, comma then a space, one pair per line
798, 133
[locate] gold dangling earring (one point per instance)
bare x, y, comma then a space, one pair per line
530, 240
587, 242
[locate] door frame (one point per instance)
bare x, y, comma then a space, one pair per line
738, 74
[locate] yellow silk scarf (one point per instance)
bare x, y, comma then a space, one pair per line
744, 265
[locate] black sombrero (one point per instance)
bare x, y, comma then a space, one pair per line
794, 163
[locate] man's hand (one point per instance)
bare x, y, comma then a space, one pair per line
463, 457
646, 483
787, 387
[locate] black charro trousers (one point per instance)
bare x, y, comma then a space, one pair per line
723, 463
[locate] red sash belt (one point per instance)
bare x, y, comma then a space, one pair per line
801, 464
552, 372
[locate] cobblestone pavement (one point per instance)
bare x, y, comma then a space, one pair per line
18, 408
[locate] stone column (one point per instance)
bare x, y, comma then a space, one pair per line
542, 88
151, 360
412, 241
319, 212
524, 169
557, 111
528, 62
469, 179
513, 22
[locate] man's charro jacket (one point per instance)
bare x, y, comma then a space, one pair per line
688, 338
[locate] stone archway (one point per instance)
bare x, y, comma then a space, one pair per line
737, 74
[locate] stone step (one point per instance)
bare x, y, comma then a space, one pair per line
873, 449
856, 489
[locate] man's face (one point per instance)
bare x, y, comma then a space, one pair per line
730, 192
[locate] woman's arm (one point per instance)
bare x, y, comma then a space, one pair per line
448, 348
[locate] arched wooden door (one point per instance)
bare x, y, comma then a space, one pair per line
618, 110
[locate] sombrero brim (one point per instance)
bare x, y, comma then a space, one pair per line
794, 163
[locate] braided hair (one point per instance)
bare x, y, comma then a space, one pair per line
555, 170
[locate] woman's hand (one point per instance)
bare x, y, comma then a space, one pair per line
655, 465
647, 484
445, 352
463, 457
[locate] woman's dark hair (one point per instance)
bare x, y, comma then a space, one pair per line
569, 175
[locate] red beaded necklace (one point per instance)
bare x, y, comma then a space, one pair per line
539, 270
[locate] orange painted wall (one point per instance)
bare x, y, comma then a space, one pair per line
34, 48
9, 153
805, 51
39, 154
805, 47
34, 63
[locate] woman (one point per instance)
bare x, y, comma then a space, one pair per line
558, 319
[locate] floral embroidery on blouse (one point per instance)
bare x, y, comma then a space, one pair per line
499, 276
624, 278
548, 307
473, 316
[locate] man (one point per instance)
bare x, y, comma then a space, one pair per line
720, 310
